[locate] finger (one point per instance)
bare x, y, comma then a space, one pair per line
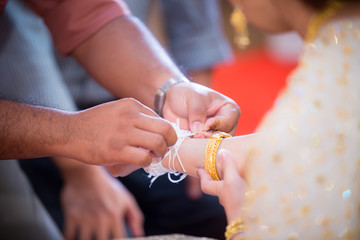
229, 166
70, 228
118, 228
154, 142
197, 112
208, 185
159, 126
102, 229
135, 219
224, 119
85, 230
203, 135
133, 155
121, 169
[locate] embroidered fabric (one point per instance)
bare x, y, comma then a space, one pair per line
156, 169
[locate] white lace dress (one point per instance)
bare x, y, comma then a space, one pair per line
303, 169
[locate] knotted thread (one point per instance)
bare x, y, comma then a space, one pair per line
156, 169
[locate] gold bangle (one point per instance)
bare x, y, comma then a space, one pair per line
210, 154
235, 227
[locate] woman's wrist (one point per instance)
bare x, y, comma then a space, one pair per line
191, 152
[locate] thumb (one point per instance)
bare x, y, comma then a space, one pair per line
197, 112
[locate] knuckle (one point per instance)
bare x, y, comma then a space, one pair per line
157, 142
144, 159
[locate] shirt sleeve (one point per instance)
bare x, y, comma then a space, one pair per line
73, 21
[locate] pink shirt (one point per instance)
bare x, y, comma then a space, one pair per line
73, 21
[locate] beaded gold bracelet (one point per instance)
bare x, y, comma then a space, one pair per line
235, 227
210, 154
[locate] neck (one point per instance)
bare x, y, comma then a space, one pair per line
291, 8
305, 15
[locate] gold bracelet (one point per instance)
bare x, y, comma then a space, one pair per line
236, 227
210, 154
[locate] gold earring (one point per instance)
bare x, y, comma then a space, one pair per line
239, 24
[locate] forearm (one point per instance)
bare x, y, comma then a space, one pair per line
192, 153
127, 60
29, 131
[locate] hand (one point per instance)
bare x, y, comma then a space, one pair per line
123, 131
200, 108
230, 190
96, 204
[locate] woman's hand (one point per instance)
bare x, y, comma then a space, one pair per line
230, 190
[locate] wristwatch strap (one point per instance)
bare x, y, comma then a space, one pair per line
161, 93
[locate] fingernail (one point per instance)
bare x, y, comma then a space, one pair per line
196, 126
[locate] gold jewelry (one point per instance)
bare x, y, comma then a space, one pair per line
235, 227
320, 18
239, 24
210, 154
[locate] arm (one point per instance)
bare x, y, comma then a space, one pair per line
230, 163
29, 131
192, 153
126, 59
101, 135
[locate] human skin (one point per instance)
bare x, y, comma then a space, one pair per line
191, 103
88, 136
192, 154
95, 203
233, 150
124, 134
229, 189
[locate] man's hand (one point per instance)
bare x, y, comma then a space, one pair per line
122, 135
200, 108
95, 204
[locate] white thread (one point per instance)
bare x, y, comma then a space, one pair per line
156, 169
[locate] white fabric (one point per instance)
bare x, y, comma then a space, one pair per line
304, 167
